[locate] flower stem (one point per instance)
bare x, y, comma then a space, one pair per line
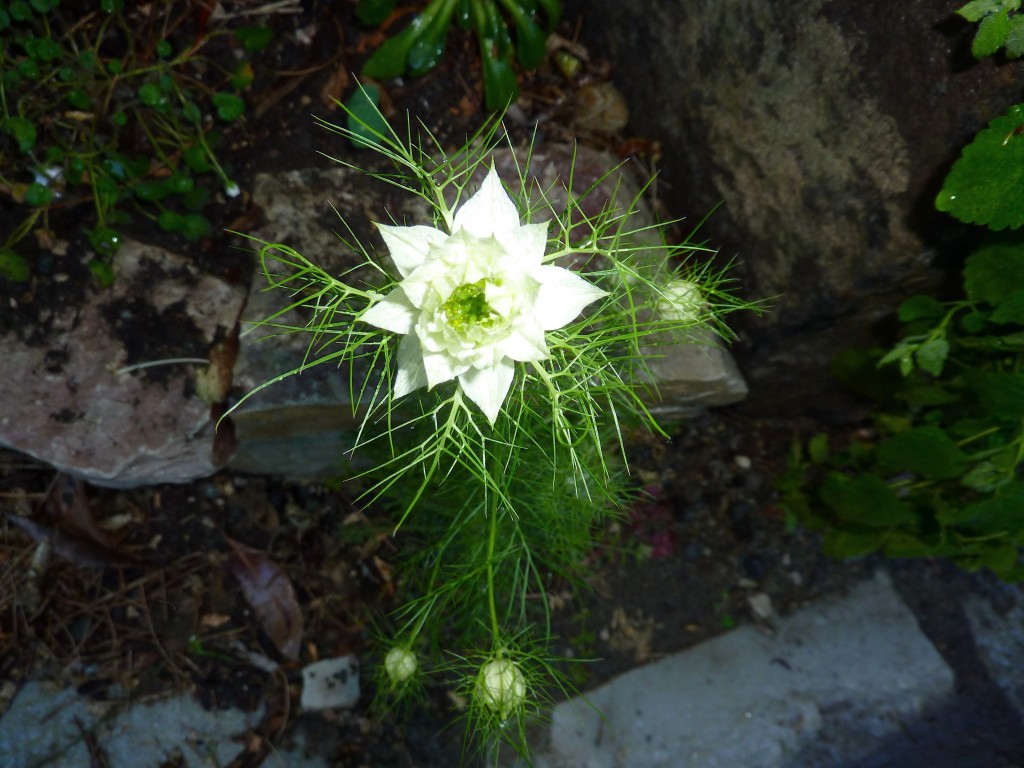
492, 511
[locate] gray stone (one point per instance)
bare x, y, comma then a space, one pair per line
67, 404
840, 675
999, 640
130, 735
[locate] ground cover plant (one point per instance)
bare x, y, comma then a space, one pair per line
120, 109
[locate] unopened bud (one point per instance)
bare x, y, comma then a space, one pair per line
681, 300
400, 664
501, 686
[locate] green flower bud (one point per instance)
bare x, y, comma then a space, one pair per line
501, 686
400, 664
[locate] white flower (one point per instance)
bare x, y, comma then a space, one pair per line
400, 664
501, 686
474, 302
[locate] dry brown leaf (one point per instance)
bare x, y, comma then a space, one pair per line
79, 551
269, 592
70, 509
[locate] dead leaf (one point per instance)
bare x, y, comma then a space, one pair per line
334, 87
69, 507
269, 592
79, 551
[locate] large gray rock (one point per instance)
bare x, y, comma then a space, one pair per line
66, 400
834, 681
821, 129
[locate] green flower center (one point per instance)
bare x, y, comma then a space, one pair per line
467, 307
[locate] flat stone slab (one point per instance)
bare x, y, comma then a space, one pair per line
835, 678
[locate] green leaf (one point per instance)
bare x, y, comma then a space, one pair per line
979, 9
196, 159
986, 184
931, 356
926, 451
102, 272
500, 87
5, 19
389, 60
1015, 38
151, 190
20, 10
38, 195
1000, 513
994, 274
1001, 394
79, 99
927, 396
180, 183
985, 477
374, 11
840, 544
254, 38
363, 116
105, 240
164, 49
170, 221
865, 500
817, 448
22, 130
921, 307
196, 227
991, 35
13, 266
229, 106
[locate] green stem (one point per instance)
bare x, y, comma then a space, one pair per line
492, 511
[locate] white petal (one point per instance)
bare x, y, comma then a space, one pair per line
440, 367
488, 387
408, 246
524, 346
562, 296
489, 212
411, 375
526, 244
392, 313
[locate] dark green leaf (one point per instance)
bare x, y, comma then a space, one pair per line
864, 500
195, 199
28, 69
170, 221
79, 99
106, 241
102, 272
229, 106
196, 159
87, 60
20, 10
13, 267
926, 451
151, 190
531, 44
921, 307
38, 195
374, 11
991, 35
553, 10
5, 19
817, 448
119, 118
840, 544
363, 116
22, 130
164, 49
1001, 513
500, 87
986, 477
902, 544
974, 322
115, 66
1001, 394
929, 395
994, 274
111, 6
254, 38
986, 185
180, 183
195, 227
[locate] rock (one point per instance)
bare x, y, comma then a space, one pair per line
67, 404
835, 679
818, 132
331, 684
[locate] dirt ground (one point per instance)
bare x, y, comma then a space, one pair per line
141, 590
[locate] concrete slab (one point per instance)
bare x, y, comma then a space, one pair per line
840, 676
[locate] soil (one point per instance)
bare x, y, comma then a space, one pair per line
149, 601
